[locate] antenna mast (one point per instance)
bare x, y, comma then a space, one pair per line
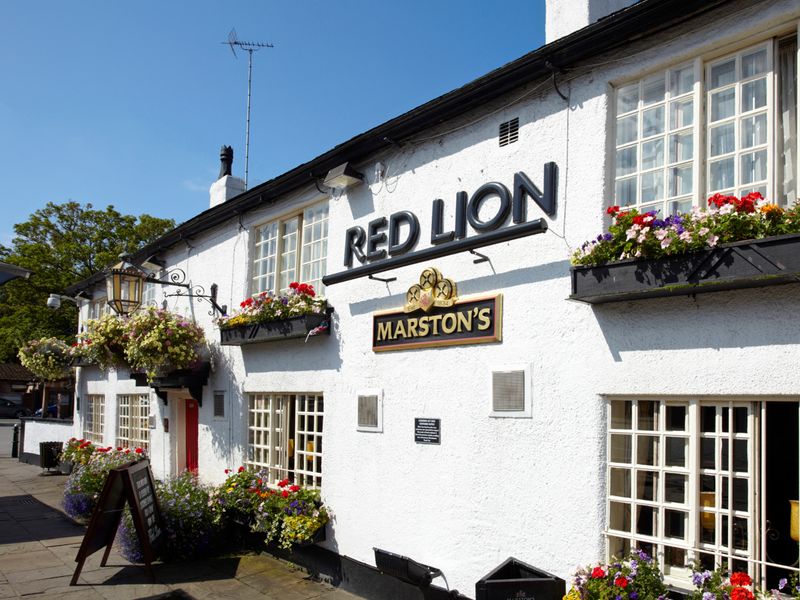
250, 47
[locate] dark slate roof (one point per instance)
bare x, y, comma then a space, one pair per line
14, 372
614, 31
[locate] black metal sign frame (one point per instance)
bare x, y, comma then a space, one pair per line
427, 431
132, 483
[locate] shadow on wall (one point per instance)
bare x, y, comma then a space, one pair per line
468, 287
735, 319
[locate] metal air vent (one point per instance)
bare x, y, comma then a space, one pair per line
368, 411
509, 132
508, 391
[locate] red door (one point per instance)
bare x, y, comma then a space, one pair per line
191, 434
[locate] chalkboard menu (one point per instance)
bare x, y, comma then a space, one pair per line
132, 483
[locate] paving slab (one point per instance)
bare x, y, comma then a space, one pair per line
39, 543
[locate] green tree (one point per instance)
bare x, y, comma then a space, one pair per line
63, 244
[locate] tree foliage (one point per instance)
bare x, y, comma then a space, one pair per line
63, 244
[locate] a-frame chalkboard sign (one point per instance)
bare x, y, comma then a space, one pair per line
132, 483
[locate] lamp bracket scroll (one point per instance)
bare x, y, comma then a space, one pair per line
199, 292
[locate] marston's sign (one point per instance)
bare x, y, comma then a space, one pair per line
444, 320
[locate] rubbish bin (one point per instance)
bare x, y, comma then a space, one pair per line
15, 442
49, 453
515, 579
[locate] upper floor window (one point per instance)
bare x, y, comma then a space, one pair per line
98, 308
727, 126
291, 249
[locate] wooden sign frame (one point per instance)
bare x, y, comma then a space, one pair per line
132, 483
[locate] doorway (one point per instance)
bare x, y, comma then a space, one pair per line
191, 414
781, 486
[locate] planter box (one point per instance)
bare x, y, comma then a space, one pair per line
191, 379
297, 327
738, 265
82, 361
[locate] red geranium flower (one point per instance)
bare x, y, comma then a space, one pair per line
613, 210
283, 483
741, 593
598, 573
740, 578
240, 469
285, 494
621, 582
294, 488
139, 451
227, 471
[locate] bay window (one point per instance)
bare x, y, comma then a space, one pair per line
703, 482
285, 436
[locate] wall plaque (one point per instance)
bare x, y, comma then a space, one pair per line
434, 316
427, 431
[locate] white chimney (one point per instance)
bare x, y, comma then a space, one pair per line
566, 16
227, 186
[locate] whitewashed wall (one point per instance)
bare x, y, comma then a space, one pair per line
532, 488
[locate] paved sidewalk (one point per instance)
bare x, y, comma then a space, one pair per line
38, 545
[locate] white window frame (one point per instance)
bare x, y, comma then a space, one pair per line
701, 178
133, 422
272, 417
722, 551
309, 238
94, 417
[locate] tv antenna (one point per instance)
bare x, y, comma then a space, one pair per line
249, 47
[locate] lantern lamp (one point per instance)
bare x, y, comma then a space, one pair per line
124, 286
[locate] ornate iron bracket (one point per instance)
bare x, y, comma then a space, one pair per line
176, 277
198, 291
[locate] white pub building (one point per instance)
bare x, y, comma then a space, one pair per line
511, 411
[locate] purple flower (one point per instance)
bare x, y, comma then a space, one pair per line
633, 595
608, 237
708, 596
782, 583
698, 579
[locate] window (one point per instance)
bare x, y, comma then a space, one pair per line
291, 249
219, 405
98, 308
727, 126
149, 293
285, 436
133, 425
685, 483
94, 417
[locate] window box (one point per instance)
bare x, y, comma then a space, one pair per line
296, 327
190, 379
82, 361
750, 263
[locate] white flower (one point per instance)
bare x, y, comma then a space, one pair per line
703, 231
632, 232
666, 242
727, 209
686, 236
712, 241
661, 234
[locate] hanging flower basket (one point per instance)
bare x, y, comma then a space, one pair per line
284, 329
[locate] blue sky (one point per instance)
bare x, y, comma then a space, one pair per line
128, 103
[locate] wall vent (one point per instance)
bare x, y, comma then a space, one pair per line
219, 404
369, 411
509, 131
508, 391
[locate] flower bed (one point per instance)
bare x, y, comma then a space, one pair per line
737, 243
86, 481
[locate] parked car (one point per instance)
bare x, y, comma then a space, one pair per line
12, 410
52, 411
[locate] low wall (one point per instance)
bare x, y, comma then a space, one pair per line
37, 430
